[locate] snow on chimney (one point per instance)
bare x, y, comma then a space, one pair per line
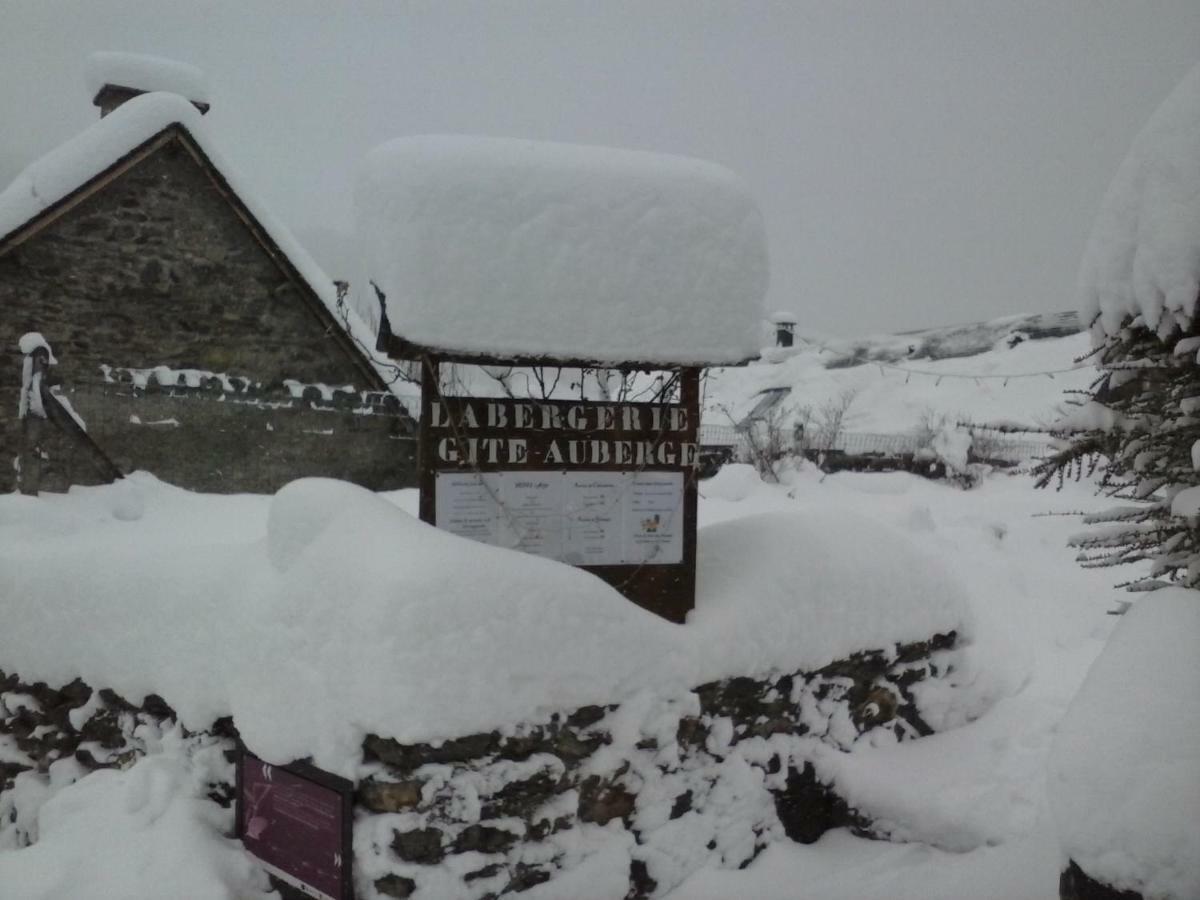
785, 328
114, 78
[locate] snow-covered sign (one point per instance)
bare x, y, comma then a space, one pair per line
1143, 257
507, 252
607, 486
511, 248
297, 821
138, 72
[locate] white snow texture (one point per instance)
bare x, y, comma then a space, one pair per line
145, 73
1143, 257
1124, 775
522, 247
345, 615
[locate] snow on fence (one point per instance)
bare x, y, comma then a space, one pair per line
988, 444
993, 445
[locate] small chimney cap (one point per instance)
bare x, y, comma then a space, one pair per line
114, 78
783, 318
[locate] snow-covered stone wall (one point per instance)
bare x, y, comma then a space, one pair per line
508, 719
637, 794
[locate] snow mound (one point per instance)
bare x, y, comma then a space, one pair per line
347, 616
733, 482
145, 73
518, 247
1143, 257
812, 587
325, 613
130, 833
1124, 774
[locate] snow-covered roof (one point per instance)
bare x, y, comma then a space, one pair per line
145, 73
1144, 253
70, 166
523, 248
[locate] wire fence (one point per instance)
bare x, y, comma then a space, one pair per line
991, 445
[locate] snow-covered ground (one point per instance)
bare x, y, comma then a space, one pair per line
1020, 385
966, 808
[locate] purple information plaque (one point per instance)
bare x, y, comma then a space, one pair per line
296, 820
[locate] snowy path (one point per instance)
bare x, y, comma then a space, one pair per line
969, 802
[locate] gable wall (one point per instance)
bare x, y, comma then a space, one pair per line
157, 269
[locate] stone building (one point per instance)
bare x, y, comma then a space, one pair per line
194, 337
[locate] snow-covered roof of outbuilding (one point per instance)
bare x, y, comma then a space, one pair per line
139, 72
1143, 257
525, 249
51, 184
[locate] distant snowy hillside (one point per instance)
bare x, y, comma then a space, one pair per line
1013, 370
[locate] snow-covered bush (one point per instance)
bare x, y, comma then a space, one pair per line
940, 439
1140, 282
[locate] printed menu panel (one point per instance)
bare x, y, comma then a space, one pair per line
593, 505
582, 518
468, 504
531, 512
654, 518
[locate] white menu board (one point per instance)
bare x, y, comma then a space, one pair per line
531, 512
467, 504
585, 518
654, 518
593, 504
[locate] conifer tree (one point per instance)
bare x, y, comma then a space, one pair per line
1140, 425
1140, 289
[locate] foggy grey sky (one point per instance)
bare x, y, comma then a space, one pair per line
918, 163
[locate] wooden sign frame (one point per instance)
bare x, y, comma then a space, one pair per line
668, 590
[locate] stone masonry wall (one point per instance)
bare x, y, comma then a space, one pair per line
256, 440
50, 737
639, 794
669, 785
156, 269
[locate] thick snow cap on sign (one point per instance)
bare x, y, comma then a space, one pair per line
145, 73
1124, 773
511, 247
1143, 257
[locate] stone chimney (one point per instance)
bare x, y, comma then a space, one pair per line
785, 328
114, 78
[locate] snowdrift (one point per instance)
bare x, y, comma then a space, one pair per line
326, 612
1124, 776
